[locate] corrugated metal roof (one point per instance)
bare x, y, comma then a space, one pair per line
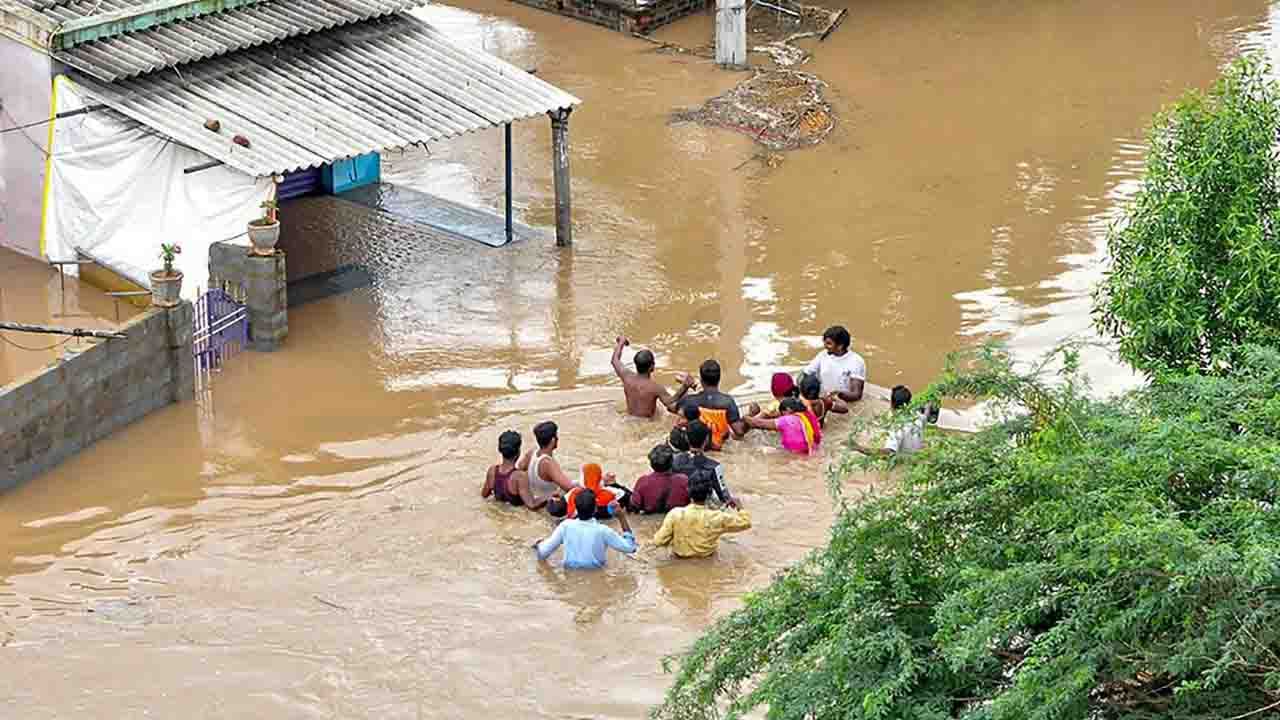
326, 96
207, 36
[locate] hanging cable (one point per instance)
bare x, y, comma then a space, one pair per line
33, 349
46, 121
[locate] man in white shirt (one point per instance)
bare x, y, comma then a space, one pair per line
905, 439
842, 372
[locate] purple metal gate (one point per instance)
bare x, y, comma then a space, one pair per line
221, 330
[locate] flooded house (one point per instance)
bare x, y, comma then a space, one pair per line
133, 123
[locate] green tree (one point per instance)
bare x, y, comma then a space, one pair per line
1195, 267
1092, 559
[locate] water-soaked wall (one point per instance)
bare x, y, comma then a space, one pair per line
623, 16
25, 93
48, 417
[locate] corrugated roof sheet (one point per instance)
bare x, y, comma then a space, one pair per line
207, 36
326, 96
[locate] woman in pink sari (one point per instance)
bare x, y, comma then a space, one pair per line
801, 433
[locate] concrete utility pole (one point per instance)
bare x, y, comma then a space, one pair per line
560, 167
731, 34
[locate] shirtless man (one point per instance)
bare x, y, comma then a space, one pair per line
642, 391
545, 475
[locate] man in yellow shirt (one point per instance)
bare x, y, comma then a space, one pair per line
694, 531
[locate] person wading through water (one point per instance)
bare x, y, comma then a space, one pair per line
719, 411
587, 542
643, 393
505, 482
546, 478
842, 372
694, 531
695, 463
799, 427
662, 489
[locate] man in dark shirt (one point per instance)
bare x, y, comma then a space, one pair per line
718, 410
695, 463
660, 490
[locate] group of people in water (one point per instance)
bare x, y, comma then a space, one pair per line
684, 478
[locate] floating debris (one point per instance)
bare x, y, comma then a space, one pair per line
783, 55
784, 22
780, 109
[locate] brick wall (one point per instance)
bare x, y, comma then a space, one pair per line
623, 15
47, 417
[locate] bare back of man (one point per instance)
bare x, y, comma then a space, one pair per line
643, 393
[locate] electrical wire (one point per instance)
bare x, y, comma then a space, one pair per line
32, 349
23, 130
17, 127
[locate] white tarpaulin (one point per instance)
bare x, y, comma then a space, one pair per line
117, 191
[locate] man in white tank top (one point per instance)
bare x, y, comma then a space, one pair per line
545, 475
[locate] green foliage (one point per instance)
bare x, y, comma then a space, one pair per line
1195, 268
1114, 559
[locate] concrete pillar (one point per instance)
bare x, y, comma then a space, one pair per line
731, 34
266, 296
179, 325
560, 161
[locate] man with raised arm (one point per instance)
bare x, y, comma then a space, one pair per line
642, 391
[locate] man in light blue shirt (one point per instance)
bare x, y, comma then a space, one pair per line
586, 542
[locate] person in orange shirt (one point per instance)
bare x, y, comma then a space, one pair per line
609, 494
718, 410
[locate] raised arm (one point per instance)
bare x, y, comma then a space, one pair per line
618, 344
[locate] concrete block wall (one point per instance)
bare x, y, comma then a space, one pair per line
51, 415
264, 283
622, 15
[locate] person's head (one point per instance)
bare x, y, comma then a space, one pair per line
900, 397
791, 405
781, 385
584, 501
644, 362
691, 412
660, 458
547, 435
810, 387
836, 340
592, 476
700, 489
699, 435
709, 374
679, 439
509, 445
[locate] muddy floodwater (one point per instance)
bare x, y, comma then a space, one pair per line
308, 540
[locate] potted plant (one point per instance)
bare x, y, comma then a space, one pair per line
166, 284
265, 231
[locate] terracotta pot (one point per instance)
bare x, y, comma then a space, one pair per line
166, 288
264, 238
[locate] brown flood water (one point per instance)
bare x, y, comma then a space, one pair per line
32, 293
308, 541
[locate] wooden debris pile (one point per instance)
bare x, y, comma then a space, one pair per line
781, 109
